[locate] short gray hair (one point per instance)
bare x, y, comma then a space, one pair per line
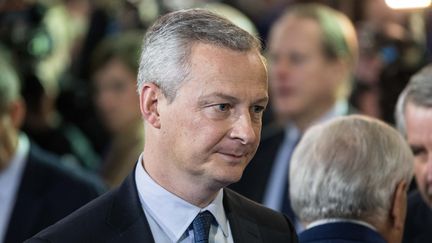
348, 168
418, 91
9, 86
168, 43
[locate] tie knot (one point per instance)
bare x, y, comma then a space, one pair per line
201, 226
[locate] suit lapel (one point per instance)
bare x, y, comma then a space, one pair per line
244, 230
127, 215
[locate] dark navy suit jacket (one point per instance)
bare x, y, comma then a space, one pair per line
340, 232
47, 193
118, 216
418, 223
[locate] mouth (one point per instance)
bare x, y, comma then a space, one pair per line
233, 157
284, 91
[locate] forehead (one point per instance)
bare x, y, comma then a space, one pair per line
296, 32
418, 124
215, 68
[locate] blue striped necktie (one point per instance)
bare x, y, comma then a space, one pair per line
201, 227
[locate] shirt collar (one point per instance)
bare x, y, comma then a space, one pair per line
339, 109
161, 204
292, 133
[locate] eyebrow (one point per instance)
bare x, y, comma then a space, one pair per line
230, 98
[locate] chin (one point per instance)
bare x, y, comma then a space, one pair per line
229, 177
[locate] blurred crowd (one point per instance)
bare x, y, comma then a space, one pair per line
77, 64
77, 61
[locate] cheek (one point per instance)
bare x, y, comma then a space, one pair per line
419, 169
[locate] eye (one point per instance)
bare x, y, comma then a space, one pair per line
222, 107
258, 108
297, 58
418, 151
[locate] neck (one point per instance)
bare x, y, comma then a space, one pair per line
305, 120
389, 233
183, 185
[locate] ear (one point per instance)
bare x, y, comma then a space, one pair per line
399, 204
17, 111
149, 104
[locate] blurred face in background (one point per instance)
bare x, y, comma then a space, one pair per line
419, 135
10, 121
6, 141
302, 79
116, 97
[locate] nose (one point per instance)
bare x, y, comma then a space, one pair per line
243, 129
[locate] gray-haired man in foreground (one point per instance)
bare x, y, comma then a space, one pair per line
348, 182
203, 88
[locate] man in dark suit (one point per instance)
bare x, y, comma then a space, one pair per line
348, 182
312, 51
202, 85
414, 120
35, 189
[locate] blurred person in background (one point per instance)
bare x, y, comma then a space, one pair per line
392, 49
311, 52
36, 190
115, 68
414, 120
46, 126
24, 31
348, 182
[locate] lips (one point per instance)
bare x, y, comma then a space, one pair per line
238, 155
233, 155
284, 91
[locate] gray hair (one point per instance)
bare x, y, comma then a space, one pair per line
168, 43
348, 168
418, 91
9, 86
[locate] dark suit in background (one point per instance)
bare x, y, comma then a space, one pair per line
418, 221
340, 232
47, 193
256, 176
118, 217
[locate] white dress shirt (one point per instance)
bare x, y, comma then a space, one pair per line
10, 179
170, 217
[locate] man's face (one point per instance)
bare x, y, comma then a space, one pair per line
116, 98
212, 128
301, 78
419, 134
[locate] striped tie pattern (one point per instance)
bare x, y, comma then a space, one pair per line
201, 227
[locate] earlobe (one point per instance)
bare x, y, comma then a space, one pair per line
149, 104
399, 206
